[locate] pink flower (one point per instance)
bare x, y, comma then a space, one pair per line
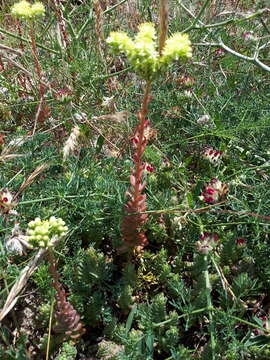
207, 242
212, 155
135, 140
214, 191
219, 52
249, 36
265, 325
148, 167
241, 241
6, 201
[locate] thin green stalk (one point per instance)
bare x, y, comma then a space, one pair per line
112, 74
113, 7
197, 311
83, 27
197, 18
53, 198
28, 41
227, 22
50, 328
253, 325
209, 305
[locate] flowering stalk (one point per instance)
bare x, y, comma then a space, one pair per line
133, 236
29, 12
148, 62
42, 234
42, 88
21, 77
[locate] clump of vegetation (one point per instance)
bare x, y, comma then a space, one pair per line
175, 267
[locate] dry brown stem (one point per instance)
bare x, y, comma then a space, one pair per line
163, 26
99, 25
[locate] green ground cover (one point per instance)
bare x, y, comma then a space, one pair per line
199, 288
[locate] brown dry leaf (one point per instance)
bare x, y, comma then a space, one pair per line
118, 117
31, 178
10, 156
72, 143
22, 280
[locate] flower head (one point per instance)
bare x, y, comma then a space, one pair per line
177, 46
41, 232
38, 9
25, 10
212, 155
149, 168
214, 191
146, 32
206, 243
7, 202
241, 242
22, 9
142, 51
120, 42
249, 36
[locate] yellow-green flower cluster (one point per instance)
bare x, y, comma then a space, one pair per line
27, 11
41, 232
177, 46
142, 51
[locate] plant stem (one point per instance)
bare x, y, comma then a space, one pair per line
197, 18
42, 88
209, 305
55, 276
35, 57
113, 7
3, 31
140, 150
163, 20
254, 59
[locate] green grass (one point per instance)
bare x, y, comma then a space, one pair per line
155, 305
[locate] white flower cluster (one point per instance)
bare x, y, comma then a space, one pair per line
41, 232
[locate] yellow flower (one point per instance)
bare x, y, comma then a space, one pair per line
146, 32
25, 10
142, 52
120, 41
178, 45
38, 9
22, 9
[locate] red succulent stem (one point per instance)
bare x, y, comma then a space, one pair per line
141, 142
54, 273
134, 219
